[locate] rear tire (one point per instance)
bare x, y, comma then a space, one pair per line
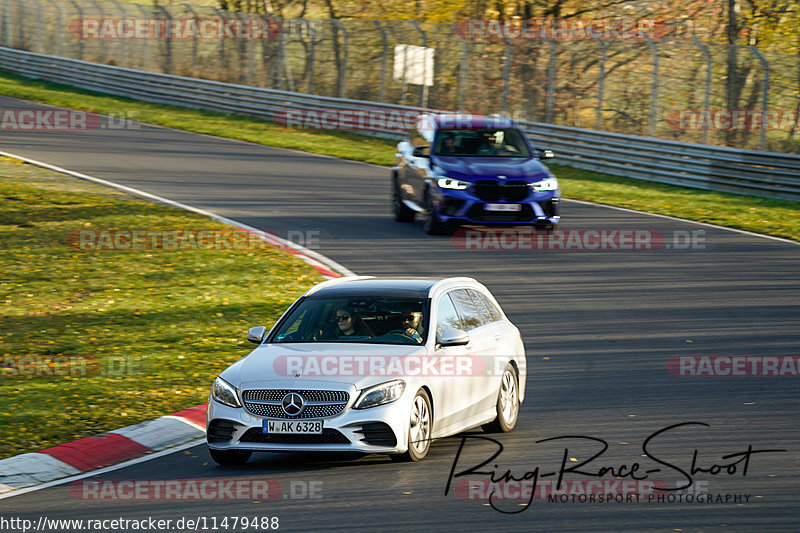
230, 457
507, 403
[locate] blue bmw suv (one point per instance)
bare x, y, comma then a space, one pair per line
457, 169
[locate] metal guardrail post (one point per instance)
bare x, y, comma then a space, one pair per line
5, 26
764, 97
551, 82
653, 90
242, 52
462, 74
21, 18
194, 37
250, 61
80, 18
384, 57
506, 74
59, 28
707, 93
167, 39
145, 42
221, 42
39, 26
423, 97
284, 60
124, 42
101, 45
601, 86
341, 80
310, 59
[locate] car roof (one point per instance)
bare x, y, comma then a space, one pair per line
469, 121
409, 287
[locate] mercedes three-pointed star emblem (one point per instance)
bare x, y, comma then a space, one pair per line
292, 404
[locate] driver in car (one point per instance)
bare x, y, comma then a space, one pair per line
411, 325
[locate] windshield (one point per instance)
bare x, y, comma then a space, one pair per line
487, 142
362, 319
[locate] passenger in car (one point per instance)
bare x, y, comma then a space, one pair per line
350, 324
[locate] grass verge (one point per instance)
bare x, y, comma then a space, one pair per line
759, 215
130, 334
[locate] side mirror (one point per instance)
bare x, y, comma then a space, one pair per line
419, 151
454, 337
256, 335
403, 148
545, 154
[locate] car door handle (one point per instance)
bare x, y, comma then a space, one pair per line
498, 337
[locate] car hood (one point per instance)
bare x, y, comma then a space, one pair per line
320, 365
530, 169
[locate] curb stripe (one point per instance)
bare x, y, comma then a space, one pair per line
196, 415
95, 452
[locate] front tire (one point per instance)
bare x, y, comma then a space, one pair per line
432, 224
507, 403
402, 213
419, 429
230, 457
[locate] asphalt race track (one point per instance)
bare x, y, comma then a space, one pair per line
599, 327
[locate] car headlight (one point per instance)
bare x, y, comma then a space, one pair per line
450, 183
547, 184
225, 393
380, 394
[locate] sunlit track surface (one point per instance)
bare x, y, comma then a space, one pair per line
599, 327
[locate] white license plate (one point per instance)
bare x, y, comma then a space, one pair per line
502, 207
305, 427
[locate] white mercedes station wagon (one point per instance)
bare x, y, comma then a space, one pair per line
369, 365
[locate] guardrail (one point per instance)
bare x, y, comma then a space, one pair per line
766, 174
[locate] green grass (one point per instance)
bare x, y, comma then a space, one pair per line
153, 327
770, 217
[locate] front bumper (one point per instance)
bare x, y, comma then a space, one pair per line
464, 208
382, 429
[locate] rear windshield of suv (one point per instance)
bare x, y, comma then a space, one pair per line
487, 142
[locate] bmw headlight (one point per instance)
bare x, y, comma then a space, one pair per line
225, 393
450, 183
547, 184
380, 394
